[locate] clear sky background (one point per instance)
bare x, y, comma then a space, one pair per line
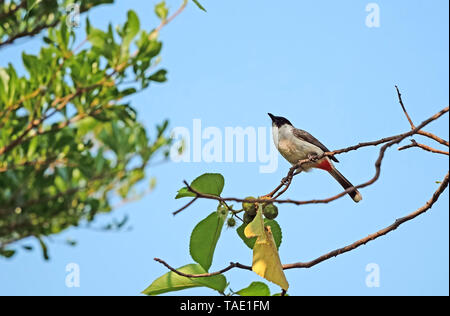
318, 64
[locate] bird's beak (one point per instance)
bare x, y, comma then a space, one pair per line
271, 116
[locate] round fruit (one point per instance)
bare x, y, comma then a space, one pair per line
222, 209
231, 222
249, 207
270, 211
248, 218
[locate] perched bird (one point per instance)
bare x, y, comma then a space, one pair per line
295, 144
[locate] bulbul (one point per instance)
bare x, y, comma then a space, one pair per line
295, 144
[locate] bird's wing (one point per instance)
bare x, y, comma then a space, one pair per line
307, 137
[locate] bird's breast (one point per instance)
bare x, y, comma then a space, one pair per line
292, 151
292, 148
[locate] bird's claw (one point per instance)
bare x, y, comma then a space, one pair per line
312, 157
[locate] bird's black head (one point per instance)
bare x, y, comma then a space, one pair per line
279, 120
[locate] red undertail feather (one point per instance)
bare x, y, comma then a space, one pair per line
324, 164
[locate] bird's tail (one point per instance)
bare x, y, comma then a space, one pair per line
355, 195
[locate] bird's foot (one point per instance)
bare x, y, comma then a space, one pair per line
313, 157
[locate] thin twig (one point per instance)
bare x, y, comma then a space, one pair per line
204, 275
423, 133
434, 137
186, 206
424, 147
403, 107
173, 16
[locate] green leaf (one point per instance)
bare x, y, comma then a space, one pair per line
34, 143
60, 184
97, 37
4, 79
204, 238
250, 242
131, 27
30, 62
159, 76
171, 281
31, 4
274, 226
7, 253
276, 230
255, 289
208, 183
199, 5
161, 10
184, 192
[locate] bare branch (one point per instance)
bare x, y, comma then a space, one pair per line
376, 235
434, 137
403, 107
424, 147
204, 275
423, 133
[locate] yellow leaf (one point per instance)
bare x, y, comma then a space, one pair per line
256, 227
266, 260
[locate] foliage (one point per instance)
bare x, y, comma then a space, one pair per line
173, 282
69, 140
263, 236
24, 18
266, 261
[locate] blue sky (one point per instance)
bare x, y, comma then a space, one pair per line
317, 63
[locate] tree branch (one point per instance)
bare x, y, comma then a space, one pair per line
377, 234
428, 205
58, 104
389, 141
204, 275
434, 137
424, 147
29, 33
420, 132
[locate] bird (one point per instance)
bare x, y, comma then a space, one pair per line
295, 144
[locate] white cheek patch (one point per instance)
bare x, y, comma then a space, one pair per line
275, 136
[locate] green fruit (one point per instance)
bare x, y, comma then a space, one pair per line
248, 218
270, 211
231, 222
249, 207
222, 209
